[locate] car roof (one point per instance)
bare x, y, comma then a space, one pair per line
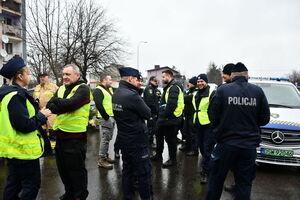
269, 81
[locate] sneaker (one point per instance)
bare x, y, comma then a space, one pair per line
110, 160
169, 163
103, 164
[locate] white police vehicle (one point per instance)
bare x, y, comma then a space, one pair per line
281, 136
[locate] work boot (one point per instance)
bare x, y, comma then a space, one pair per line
104, 164
156, 157
203, 177
110, 160
169, 163
230, 188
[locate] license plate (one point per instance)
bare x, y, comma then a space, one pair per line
277, 152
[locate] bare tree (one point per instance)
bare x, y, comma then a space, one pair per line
294, 77
90, 39
214, 74
79, 33
43, 34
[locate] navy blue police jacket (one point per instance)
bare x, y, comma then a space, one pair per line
237, 111
130, 112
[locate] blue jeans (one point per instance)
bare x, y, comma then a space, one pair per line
241, 161
25, 176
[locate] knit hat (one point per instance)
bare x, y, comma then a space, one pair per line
193, 80
10, 69
239, 67
228, 68
203, 77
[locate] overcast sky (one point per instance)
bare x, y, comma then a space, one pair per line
189, 34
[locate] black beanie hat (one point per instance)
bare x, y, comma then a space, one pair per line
203, 77
193, 80
228, 68
239, 67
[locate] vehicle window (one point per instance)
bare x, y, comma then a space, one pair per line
281, 95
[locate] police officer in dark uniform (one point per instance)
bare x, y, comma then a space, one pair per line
21, 132
237, 112
152, 97
190, 145
130, 113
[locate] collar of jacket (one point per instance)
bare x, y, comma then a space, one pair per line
239, 79
191, 90
203, 92
153, 86
72, 85
125, 84
172, 82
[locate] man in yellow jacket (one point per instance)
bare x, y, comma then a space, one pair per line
71, 103
43, 92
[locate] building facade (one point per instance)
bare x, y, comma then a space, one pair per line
12, 31
157, 72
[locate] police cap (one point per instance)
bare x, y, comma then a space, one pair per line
128, 71
10, 69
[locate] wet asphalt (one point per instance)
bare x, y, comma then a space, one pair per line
176, 183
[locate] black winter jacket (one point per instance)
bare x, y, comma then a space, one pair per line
188, 105
130, 112
166, 109
237, 111
152, 97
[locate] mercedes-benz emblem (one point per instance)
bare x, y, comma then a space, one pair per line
277, 137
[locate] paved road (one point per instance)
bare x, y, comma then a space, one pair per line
178, 183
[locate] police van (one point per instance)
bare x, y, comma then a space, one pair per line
281, 136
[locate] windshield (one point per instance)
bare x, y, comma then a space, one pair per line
281, 95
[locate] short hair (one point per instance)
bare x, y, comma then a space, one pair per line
245, 74
75, 68
168, 72
103, 76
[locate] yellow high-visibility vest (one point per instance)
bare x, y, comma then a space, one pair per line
75, 121
13, 143
180, 102
107, 101
202, 110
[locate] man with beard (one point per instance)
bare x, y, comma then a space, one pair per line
169, 118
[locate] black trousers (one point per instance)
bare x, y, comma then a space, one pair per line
241, 161
206, 142
70, 159
151, 126
136, 167
188, 127
25, 176
169, 133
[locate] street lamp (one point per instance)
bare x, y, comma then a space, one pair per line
138, 54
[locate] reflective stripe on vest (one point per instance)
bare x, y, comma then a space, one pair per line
107, 101
75, 121
202, 110
15, 144
180, 102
